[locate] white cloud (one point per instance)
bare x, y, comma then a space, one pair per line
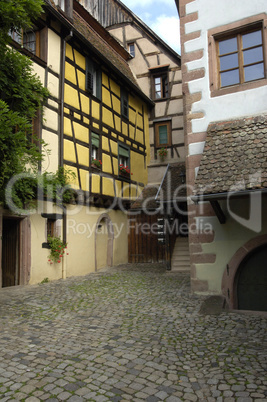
168, 29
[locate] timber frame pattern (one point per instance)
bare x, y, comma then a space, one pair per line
102, 117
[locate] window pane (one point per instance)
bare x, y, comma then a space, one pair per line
163, 135
254, 72
29, 41
252, 39
230, 78
253, 55
227, 62
228, 46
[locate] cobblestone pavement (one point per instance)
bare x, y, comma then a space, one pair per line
133, 333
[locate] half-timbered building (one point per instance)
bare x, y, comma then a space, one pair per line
96, 127
157, 69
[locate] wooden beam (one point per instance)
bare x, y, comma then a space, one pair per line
218, 211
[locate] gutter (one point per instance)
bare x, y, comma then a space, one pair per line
221, 196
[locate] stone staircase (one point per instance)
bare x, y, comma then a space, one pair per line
180, 257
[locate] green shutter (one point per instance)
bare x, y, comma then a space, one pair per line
95, 140
124, 152
163, 135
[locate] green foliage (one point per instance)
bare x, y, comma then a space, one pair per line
56, 185
22, 90
16, 15
45, 280
21, 95
15, 150
57, 249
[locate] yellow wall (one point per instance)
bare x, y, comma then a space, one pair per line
103, 118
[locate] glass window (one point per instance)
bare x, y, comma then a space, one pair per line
161, 89
93, 77
131, 49
163, 134
124, 160
95, 154
241, 58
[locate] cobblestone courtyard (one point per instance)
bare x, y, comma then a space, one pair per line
132, 333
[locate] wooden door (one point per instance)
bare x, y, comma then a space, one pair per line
143, 245
10, 252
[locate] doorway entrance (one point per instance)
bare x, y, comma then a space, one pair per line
10, 252
252, 281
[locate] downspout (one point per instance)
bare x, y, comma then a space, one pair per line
62, 82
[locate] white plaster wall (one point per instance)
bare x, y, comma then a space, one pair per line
246, 103
53, 57
229, 237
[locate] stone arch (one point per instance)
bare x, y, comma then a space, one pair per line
230, 276
104, 227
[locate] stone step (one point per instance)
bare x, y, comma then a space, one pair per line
180, 257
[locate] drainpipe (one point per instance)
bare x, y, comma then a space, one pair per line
62, 82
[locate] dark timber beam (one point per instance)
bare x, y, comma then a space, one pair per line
218, 211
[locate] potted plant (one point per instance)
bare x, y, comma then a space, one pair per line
162, 152
124, 170
57, 249
96, 163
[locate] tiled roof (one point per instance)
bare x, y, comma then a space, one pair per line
234, 157
172, 188
100, 45
173, 184
103, 47
146, 198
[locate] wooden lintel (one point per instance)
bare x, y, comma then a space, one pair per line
218, 211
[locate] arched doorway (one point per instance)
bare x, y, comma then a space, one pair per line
251, 286
244, 282
104, 236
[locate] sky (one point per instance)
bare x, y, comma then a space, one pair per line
161, 16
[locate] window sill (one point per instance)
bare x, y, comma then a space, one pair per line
28, 53
238, 88
160, 99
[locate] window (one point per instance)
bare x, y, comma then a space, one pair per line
124, 103
95, 151
163, 134
131, 49
93, 82
241, 58
51, 227
123, 159
160, 82
30, 41
161, 86
33, 40
237, 56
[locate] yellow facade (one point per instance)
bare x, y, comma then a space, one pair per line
85, 114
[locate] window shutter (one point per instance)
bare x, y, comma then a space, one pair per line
124, 103
98, 84
95, 140
123, 152
89, 80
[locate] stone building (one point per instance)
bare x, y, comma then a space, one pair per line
96, 126
224, 74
